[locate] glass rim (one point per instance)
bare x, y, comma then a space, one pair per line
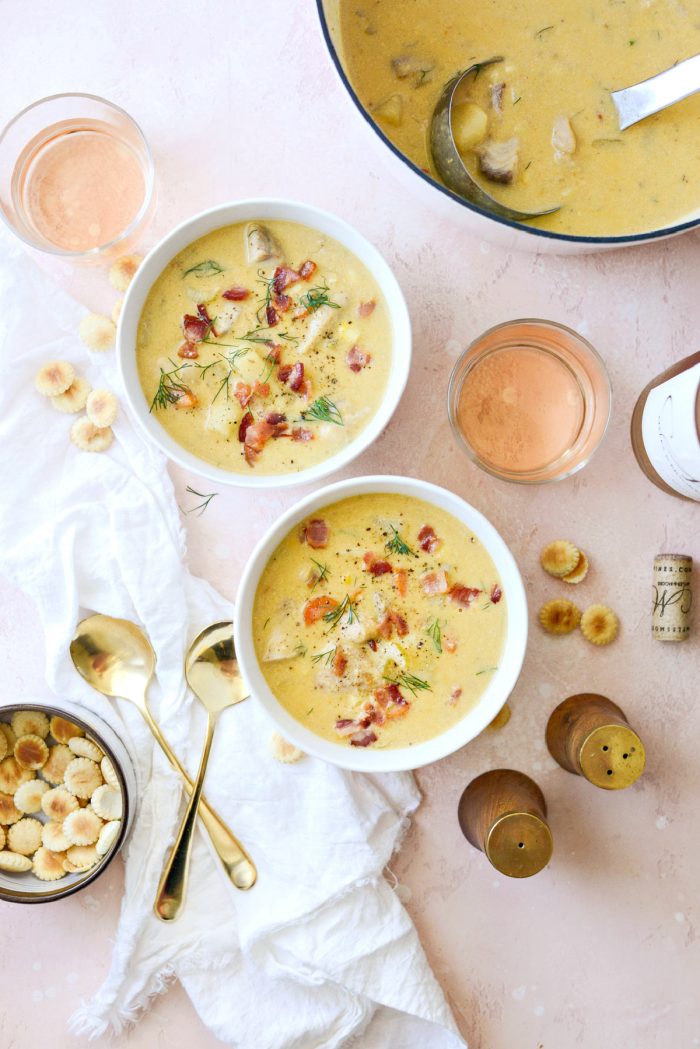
455, 384
149, 186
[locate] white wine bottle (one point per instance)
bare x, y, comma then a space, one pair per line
666, 429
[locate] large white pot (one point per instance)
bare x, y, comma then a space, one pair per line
438, 198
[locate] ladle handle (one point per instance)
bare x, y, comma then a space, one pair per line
237, 864
658, 92
173, 883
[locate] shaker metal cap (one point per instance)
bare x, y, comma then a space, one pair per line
519, 844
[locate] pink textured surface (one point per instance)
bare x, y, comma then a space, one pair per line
600, 948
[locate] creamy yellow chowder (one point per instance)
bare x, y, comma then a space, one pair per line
264, 347
539, 128
379, 621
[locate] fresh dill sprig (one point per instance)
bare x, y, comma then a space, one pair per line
300, 649
544, 30
169, 388
204, 269
411, 682
323, 573
230, 361
314, 298
326, 656
200, 495
266, 298
324, 410
396, 545
435, 634
487, 670
336, 614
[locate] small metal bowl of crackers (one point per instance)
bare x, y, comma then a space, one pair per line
67, 790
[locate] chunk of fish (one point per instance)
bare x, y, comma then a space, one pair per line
281, 646
260, 244
498, 161
324, 319
224, 314
219, 419
563, 137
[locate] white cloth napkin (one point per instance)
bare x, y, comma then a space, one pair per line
321, 950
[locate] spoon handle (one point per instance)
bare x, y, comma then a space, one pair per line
239, 868
173, 883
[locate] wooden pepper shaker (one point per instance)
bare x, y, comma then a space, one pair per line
503, 813
590, 736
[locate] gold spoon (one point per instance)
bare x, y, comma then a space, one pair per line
213, 675
116, 658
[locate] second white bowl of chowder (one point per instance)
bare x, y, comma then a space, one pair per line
382, 623
264, 343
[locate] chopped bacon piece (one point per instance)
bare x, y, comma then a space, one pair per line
448, 644
380, 568
435, 582
242, 392
274, 353
271, 316
307, 269
357, 359
401, 581
363, 739
245, 422
188, 350
372, 644
398, 709
305, 389
346, 726
283, 277
366, 308
317, 607
261, 389
427, 540
300, 434
281, 302
236, 293
315, 533
275, 418
299, 312
194, 328
464, 595
340, 663
392, 619
496, 594
186, 399
455, 694
256, 436
293, 375
389, 694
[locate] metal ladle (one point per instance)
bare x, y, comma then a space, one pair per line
449, 163
115, 657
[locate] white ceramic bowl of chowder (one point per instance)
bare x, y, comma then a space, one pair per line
475, 720
248, 211
439, 199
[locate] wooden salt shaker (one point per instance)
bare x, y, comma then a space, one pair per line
590, 736
503, 813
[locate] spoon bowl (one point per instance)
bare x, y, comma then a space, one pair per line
448, 160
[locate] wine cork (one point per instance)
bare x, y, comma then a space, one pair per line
671, 597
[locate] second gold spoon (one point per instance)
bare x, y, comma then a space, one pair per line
212, 673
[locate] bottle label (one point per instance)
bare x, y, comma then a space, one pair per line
670, 432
